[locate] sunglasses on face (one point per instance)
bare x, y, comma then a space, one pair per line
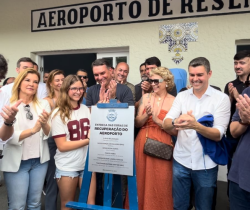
155, 81
84, 77
29, 115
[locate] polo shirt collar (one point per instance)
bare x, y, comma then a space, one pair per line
238, 80
208, 91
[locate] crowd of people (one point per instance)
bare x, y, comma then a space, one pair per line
45, 130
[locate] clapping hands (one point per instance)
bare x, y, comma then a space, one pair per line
106, 94
185, 121
243, 105
233, 93
9, 112
41, 122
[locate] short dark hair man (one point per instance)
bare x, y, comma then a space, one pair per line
83, 75
22, 64
107, 87
102, 92
239, 185
190, 164
233, 89
152, 63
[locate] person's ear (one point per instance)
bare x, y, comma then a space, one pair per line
210, 73
17, 70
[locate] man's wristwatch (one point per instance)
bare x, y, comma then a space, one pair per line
10, 124
240, 121
173, 121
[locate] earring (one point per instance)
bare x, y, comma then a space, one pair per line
166, 85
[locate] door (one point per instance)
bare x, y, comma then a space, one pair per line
70, 64
115, 57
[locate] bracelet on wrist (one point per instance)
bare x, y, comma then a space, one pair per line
242, 123
173, 122
11, 123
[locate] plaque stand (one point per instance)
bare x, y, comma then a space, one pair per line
110, 181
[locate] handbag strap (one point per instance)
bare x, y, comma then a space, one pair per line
150, 94
172, 144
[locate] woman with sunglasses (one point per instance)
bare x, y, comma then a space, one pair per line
54, 83
26, 155
154, 175
70, 129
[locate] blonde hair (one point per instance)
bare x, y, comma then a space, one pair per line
166, 75
51, 77
19, 79
64, 104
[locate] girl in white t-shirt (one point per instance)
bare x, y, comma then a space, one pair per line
70, 129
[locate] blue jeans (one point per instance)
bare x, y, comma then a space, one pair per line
239, 198
51, 188
26, 185
204, 183
59, 173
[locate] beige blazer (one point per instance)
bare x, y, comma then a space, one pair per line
13, 149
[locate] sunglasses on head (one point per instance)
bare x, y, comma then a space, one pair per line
29, 115
155, 81
84, 77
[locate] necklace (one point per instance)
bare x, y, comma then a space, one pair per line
159, 100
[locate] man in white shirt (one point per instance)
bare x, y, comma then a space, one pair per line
191, 165
22, 64
7, 114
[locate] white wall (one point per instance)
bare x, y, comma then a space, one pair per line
217, 36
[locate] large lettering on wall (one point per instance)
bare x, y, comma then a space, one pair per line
131, 11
